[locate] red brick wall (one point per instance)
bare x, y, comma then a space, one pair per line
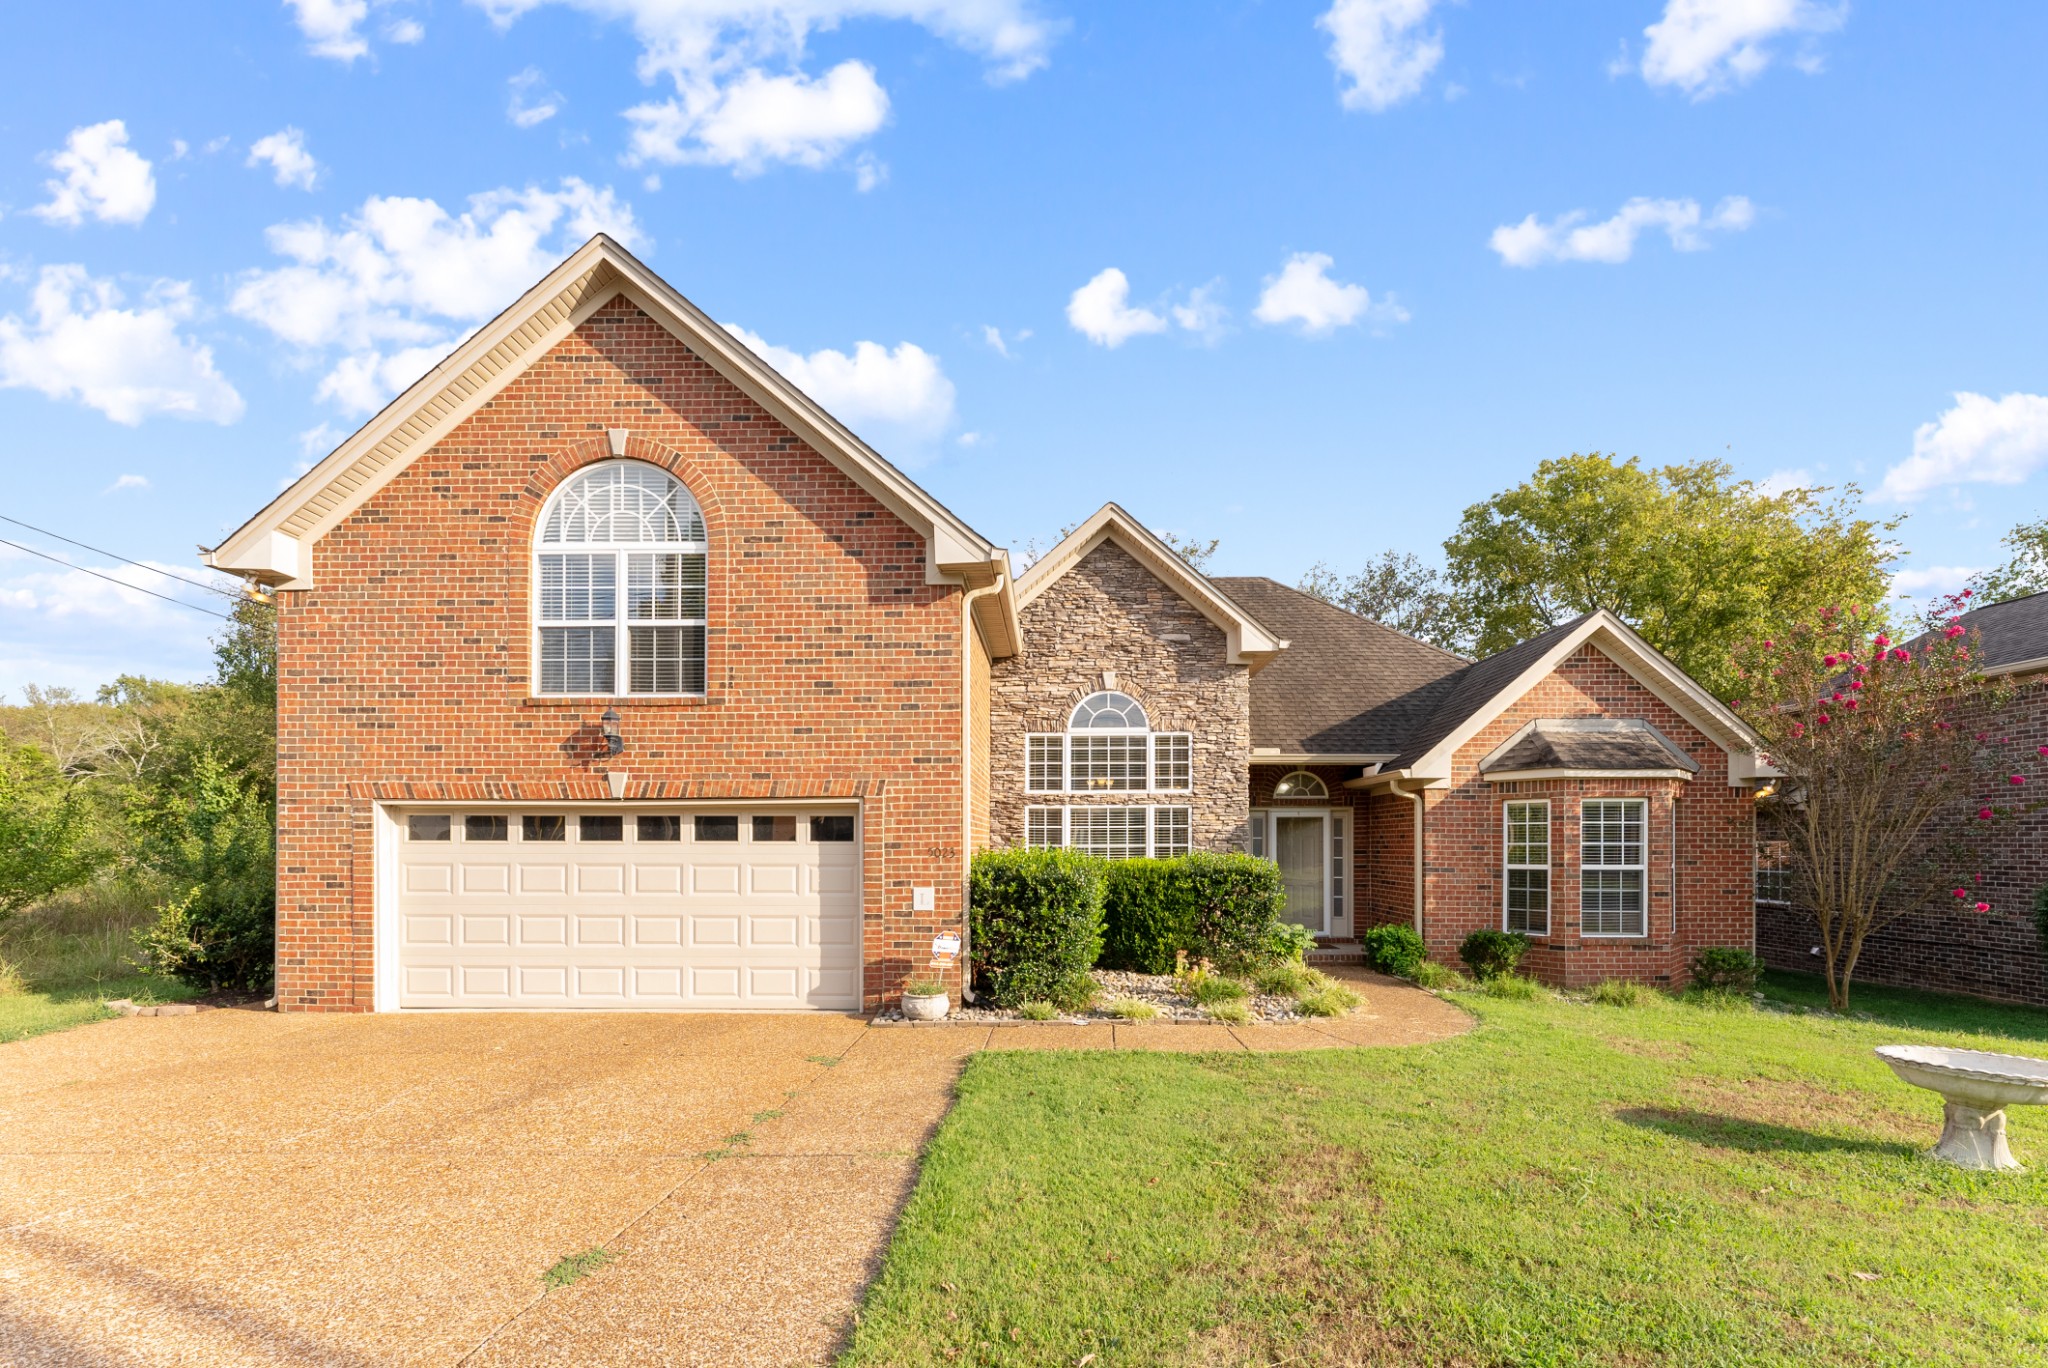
834, 670
1708, 873
1333, 777
1386, 848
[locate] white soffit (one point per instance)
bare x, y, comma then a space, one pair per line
273, 546
1249, 642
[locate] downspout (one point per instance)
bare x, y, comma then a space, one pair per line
1416, 798
968, 645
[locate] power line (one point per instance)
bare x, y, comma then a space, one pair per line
102, 551
111, 580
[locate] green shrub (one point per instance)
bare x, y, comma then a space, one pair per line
1230, 1013
1724, 968
211, 844
1038, 1011
1513, 987
1287, 943
1216, 988
1328, 999
1429, 974
1036, 919
1285, 980
1132, 1009
1619, 993
1222, 908
46, 843
1395, 949
1489, 954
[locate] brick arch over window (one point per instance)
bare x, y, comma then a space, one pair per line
620, 584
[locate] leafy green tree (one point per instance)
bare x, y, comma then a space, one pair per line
1690, 556
1394, 588
2025, 570
208, 838
46, 844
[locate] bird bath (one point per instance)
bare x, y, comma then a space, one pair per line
1976, 1087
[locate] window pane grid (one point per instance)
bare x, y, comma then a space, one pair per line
1526, 906
575, 660
1170, 827
1107, 763
1611, 883
1043, 769
1045, 827
1173, 762
1115, 833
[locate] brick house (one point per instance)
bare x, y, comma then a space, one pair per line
1998, 955
615, 673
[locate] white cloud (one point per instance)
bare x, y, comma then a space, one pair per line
180, 149
81, 344
1782, 481
869, 172
1979, 440
330, 27
742, 97
103, 178
1381, 49
903, 389
405, 31
402, 280
532, 102
1706, 47
62, 626
1304, 294
757, 119
285, 153
1934, 581
127, 482
1202, 312
1101, 311
1570, 238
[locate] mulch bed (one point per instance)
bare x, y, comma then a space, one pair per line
1158, 990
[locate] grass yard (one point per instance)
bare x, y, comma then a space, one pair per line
61, 961
1569, 1183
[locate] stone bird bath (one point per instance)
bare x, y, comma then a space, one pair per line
1976, 1087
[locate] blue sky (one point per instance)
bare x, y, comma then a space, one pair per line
1306, 277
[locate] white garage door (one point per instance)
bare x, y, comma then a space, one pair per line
622, 907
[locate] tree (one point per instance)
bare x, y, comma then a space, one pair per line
1693, 558
208, 838
1394, 588
1193, 550
1894, 780
2025, 570
45, 833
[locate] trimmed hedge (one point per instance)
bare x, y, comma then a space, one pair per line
1036, 922
1214, 907
1395, 949
1490, 954
1725, 969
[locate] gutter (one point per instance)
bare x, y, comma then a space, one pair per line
968, 642
1415, 796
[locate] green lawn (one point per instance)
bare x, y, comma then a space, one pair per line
33, 1012
1568, 1183
61, 961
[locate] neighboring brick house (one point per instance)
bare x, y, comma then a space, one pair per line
615, 673
1999, 954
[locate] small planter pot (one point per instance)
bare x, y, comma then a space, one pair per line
926, 1006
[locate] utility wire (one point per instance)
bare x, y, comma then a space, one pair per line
111, 580
141, 565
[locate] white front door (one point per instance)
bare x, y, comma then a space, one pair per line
627, 907
1301, 846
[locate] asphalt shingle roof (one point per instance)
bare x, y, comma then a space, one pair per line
1471, 688
1345, 685
1572, 744
2010, 632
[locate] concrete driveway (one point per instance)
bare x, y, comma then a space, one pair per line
243, 1187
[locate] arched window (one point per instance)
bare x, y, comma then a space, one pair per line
1300, 784
1108, 712
619, 563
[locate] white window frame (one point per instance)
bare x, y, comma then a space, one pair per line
1058, 822
1509, 867
1035, 746
1640, 869
1320, 793
621, 624
1338, 834
1158, 752
1781, 873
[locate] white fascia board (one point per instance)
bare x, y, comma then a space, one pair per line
1275, 757
2018, 667
1509, 776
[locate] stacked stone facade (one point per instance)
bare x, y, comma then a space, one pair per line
834, 670
1108, 614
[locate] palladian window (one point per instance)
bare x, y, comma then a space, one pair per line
619, 585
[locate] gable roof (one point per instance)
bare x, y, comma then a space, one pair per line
1586, 745
1345, 685
1487, 688
2012, 637
273, 546
1250, 643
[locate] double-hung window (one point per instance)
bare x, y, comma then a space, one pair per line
619, 585
1125, 831
1611, 868
1527, 868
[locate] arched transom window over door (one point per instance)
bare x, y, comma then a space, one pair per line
619, 585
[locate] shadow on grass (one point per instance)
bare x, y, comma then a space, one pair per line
1912, 1008
1754, 1137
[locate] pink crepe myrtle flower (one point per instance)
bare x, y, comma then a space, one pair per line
1953, 632
1769, 644
1823, 718
1798, 730
1962, 893
1880, 641
2019, 778
1852, 703
1966, 593
1835, 697
1855, 683
1983, 814
1902, 653
1828, 661
1983, 907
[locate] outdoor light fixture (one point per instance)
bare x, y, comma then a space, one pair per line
614, 739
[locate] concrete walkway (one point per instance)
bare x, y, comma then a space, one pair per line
244, 1187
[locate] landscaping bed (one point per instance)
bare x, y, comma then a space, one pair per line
1165, 994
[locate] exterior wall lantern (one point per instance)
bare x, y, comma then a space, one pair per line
608, 726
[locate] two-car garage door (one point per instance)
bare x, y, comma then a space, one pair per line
625, 907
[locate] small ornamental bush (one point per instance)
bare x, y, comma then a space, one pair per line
1395, 949
1723, 968
1036, 919
1511, 987
1132, 1009
1489, 954
1038, 1011
1287, 943
1329, 999
1431, 975
1284, 980
1229, 1013
1222, 908
1619, 993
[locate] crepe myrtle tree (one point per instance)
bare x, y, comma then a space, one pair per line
1894, 776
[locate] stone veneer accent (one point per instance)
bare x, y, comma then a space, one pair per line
1109, 613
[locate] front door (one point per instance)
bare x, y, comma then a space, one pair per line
1301, 846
